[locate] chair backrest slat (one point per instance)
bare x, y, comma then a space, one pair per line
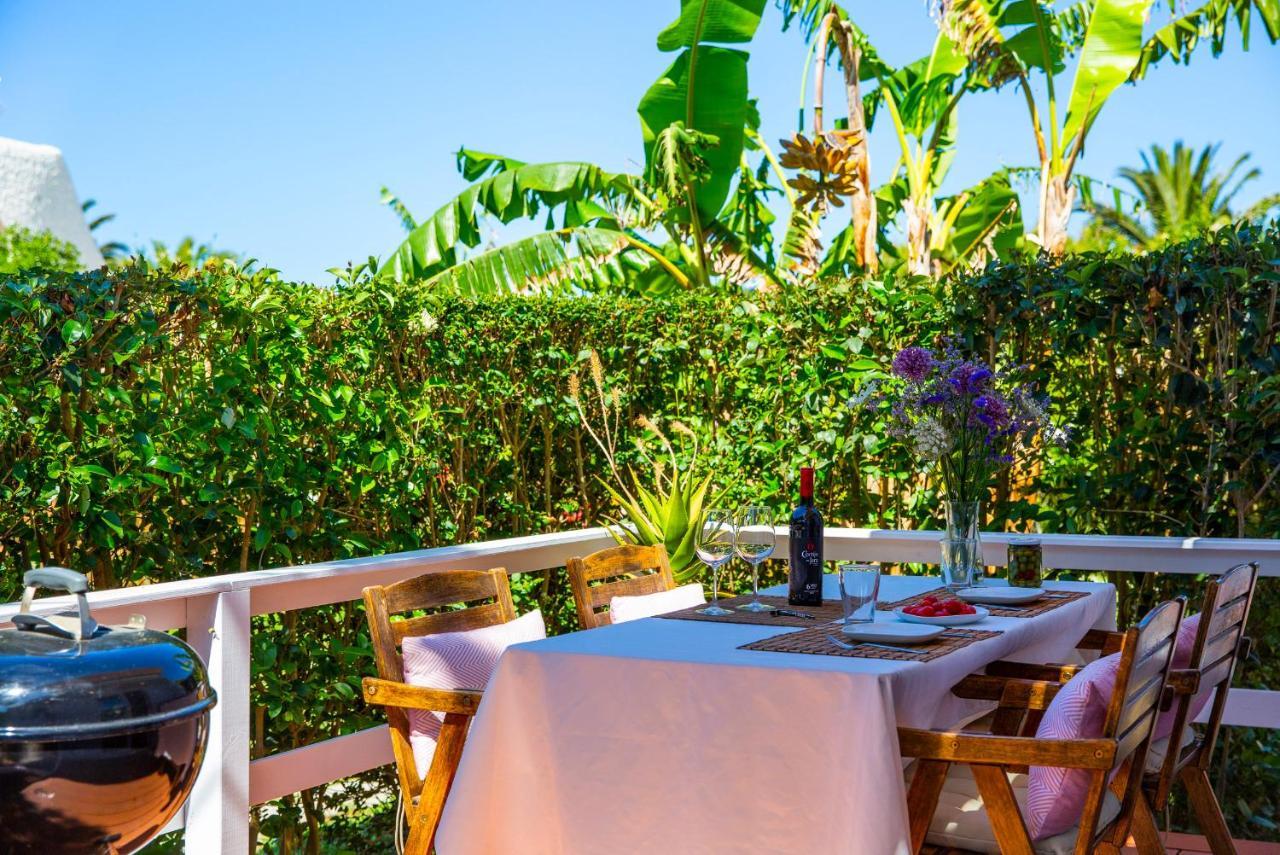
626, 570
457, 620
1141, 661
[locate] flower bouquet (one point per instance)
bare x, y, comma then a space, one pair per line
971, 422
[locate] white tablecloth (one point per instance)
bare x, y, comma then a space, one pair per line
660, 736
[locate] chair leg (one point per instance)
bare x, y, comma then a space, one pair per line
1143, 828
922, 798
1002, 810
420, 833
1208, 811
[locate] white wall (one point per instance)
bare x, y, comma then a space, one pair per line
36, 192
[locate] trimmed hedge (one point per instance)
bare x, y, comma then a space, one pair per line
166, 423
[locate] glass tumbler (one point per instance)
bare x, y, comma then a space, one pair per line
859, 590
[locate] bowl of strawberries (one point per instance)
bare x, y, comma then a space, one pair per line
941, 611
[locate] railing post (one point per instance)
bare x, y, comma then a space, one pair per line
217, 820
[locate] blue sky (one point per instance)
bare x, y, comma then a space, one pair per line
268, 127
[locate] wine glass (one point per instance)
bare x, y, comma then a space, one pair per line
713, 542
754, 540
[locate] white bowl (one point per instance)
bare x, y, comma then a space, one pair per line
891, 633
1000, 596
950, 620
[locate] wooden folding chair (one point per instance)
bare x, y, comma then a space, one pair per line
424, 797
1145, 655
1219, 644
626, 570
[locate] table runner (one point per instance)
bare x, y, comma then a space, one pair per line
826, 613
628, 738
1050, 601
816, 640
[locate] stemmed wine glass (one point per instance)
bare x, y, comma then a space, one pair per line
713, 542
754, 540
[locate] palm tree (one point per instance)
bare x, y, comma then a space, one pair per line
1179, 194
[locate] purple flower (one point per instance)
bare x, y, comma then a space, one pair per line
913, 363
969, 378
992, 411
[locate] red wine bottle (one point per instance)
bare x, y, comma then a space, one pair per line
806, 547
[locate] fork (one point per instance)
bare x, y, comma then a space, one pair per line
844, 645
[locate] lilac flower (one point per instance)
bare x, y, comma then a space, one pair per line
913, 363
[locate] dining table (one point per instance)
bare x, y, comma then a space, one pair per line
666, 736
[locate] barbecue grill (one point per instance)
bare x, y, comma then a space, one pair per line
102, 729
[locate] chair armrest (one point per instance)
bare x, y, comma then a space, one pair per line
1029, 671
1006, 750
1010, 692
389, 693
1103, 640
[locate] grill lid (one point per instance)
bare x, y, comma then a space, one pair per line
67, 677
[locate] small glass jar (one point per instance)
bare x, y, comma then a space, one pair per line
1025, 564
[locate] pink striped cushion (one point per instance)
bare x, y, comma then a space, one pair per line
1055, 797
1181, 659
457, 660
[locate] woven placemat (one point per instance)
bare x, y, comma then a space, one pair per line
825, 613
815, 640
1047, 603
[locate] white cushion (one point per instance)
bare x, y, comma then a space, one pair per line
623, 609
457, 660
961, 820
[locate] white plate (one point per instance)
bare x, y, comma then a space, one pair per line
1000, 596
950, 620
890, 633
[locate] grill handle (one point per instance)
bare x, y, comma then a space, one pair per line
57, 579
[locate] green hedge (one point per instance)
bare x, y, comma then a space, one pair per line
164, 423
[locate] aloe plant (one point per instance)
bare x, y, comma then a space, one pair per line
667, 512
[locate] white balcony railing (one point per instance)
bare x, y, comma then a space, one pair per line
216, 612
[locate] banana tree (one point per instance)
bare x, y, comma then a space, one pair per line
1006, 40
670, 227
921, 100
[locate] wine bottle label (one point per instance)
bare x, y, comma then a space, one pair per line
805, 588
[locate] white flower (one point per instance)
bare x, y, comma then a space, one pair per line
931, 438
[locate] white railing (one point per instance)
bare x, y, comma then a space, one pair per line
216, 612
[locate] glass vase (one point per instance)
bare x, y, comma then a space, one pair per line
962, 547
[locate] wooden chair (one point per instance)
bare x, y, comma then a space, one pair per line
626, 570
1145, 655
424, 796
1219, 644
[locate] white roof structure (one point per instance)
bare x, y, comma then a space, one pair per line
36, 192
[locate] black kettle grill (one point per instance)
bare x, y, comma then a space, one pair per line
102, 729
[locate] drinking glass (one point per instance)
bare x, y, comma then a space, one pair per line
959, 562
753, 539
713, 543
859, 589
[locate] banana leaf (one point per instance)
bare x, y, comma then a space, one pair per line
508, 195
539, 263
705, 88
1112, 46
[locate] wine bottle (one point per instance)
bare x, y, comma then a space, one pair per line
806, 547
